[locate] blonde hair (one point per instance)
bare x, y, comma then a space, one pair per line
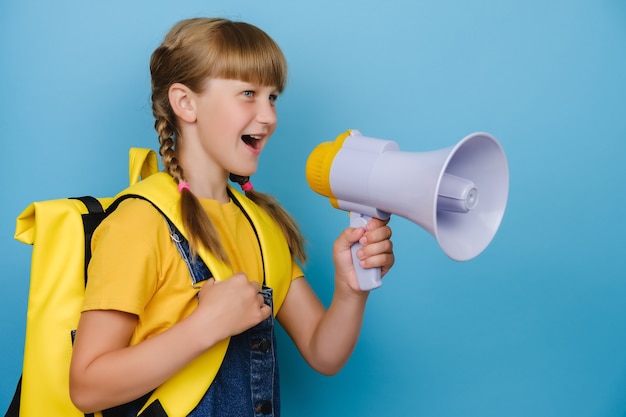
193, 51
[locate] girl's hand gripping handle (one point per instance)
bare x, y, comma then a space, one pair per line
369, 278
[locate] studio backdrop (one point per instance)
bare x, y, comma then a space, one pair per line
534, 325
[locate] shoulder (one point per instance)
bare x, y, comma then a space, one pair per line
135, 211
133, 220
127, 257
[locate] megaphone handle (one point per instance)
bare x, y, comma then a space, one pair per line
369, 278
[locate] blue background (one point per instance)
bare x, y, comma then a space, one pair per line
535, 326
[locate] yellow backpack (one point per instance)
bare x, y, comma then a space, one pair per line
60, 233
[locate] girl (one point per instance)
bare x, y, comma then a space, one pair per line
145, 322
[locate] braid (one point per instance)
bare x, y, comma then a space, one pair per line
199, 226
166, 150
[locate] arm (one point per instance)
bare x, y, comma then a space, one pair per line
326, 338
106, 372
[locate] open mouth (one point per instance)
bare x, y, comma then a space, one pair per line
252, 141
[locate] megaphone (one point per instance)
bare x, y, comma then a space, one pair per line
457, 194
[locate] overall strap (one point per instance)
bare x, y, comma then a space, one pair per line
197, 268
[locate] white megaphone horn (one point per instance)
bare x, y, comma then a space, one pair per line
457, 194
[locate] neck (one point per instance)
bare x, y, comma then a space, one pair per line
205, 179
207, 189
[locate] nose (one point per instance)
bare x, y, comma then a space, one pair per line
266, 113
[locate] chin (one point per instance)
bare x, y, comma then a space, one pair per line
245, 172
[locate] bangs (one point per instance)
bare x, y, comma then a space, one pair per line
248, 54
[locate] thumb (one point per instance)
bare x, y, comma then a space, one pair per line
358, 224
205, 287
350, 236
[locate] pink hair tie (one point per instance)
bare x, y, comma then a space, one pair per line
182, 185
247, 186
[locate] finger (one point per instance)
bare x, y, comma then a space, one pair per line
375, 223
256, 286
376, 235
373, 249
265, 311
210, 282
379, 260
350, 236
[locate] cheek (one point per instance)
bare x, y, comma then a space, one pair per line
216, 122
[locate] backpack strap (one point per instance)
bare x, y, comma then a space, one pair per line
234, 199
95, 214
14, 407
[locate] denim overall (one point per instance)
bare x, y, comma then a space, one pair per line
246, 384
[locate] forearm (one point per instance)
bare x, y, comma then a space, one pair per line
338, 331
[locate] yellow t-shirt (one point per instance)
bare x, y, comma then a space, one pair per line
136, 268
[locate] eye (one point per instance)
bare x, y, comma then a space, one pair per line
273, 98
248, 93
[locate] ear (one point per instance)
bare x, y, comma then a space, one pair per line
182, 102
